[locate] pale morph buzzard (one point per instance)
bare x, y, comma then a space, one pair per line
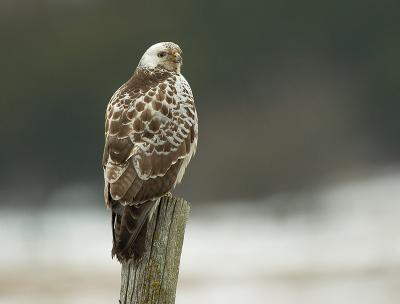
150, 136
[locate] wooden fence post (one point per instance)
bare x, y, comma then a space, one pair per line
153, 278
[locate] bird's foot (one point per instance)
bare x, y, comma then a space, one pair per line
168, 195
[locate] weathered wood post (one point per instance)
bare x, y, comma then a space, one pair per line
154, 277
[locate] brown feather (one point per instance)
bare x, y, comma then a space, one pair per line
146, 144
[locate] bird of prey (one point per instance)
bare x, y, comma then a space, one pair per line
151, 132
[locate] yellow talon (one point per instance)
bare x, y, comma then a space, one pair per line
168, 194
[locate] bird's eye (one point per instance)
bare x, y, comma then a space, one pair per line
161, 54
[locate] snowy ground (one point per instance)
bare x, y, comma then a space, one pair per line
344, 248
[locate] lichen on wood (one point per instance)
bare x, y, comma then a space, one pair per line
153, 278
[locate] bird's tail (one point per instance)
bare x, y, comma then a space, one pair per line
129, 225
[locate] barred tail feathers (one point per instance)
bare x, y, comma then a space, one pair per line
130, 228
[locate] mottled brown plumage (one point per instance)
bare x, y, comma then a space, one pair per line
151, 134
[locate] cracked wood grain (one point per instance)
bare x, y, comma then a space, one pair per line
153, 278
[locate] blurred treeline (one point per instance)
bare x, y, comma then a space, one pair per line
288, 92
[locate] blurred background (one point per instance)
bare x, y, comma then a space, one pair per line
295, 187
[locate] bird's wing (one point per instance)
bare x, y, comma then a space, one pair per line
148, 134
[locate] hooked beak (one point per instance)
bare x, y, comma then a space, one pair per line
177, 58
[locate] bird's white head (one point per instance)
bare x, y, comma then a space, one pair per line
167, 55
